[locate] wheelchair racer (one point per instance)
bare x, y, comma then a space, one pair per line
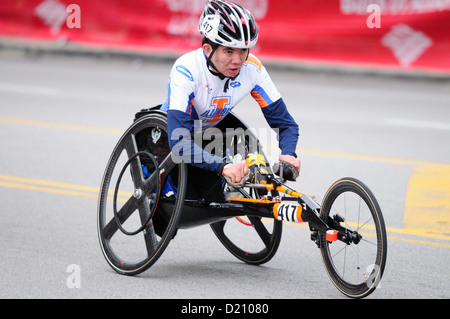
207, 83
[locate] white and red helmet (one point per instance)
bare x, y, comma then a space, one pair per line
228, 24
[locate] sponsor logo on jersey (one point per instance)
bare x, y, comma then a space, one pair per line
220, 107
235, 84
183, 70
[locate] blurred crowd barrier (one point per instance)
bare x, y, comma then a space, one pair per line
394, 34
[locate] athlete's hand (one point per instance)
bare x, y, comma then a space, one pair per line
236, 173
291, 160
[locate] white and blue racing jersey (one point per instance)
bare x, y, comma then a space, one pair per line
198, 97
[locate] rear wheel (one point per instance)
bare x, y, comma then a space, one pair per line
254, 240
132, 236
251, 239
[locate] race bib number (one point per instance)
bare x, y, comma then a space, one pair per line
291, 212
210, 25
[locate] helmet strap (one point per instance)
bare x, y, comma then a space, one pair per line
212, 68
209, 63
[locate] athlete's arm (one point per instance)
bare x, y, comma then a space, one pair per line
278, 117
274, 109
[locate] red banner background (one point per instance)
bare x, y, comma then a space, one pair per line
400, 34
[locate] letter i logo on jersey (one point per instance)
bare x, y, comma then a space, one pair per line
221, 108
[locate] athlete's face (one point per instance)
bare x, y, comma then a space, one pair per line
228, 61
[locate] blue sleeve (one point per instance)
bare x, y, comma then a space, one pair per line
278, 117
180, 129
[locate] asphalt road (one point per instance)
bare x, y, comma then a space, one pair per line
60, 117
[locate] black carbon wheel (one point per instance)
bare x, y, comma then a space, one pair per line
355, 267
253, 240
132, 235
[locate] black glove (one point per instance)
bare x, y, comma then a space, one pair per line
290, 172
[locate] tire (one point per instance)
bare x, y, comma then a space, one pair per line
257, 231
251, 239
131, 255
356, 268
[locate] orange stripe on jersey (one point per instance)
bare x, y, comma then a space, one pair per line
261, 96
258, 98
191, 105
255, 61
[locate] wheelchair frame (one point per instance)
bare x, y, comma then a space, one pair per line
176, 212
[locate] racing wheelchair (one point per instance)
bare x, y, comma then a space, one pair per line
142, 205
